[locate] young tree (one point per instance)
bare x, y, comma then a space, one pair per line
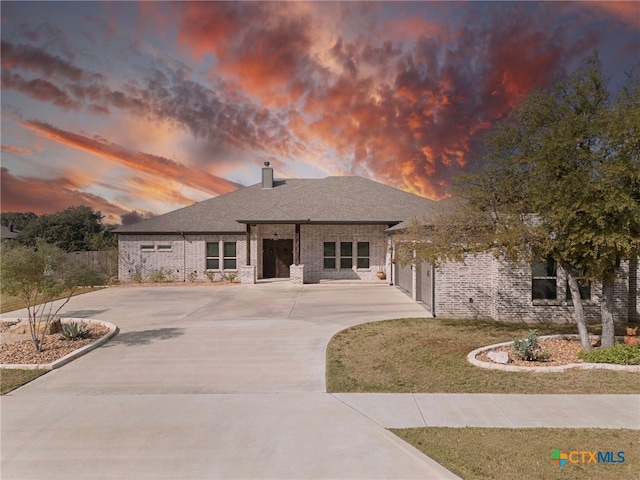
39, 276
561, 178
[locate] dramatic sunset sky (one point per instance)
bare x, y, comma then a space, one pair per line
139, 108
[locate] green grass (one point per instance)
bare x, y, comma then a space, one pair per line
9, 303
11, 379
523, 454
429, 356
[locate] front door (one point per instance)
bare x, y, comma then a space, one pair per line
277, 256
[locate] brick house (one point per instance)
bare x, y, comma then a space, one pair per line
342, 228
304, 229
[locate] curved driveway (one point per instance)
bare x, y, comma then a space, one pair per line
208, 382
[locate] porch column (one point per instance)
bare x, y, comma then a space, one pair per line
248, 246
296, 246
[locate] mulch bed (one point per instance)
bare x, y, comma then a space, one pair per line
19, 348
561, 352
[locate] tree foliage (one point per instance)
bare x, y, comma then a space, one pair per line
561, 178
40, 275
77, 228
17, 220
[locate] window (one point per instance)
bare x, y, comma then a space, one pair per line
363, 254
229, 256
346, 255
329, 255
147, 248
213, 256
544, 281
164, 248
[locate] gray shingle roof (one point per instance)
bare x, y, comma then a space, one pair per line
327, 200
6, 232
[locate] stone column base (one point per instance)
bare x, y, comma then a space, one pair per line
296, 273
248, 274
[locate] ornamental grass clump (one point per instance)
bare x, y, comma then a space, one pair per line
529, 349
74, 330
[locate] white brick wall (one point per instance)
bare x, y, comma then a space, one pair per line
312, 239
187, 255
486, 287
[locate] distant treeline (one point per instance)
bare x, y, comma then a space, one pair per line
75, 229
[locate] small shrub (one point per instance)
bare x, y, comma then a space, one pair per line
619, 354
160, 275
192, 277
229, 277
528, 348
210, 275
74, 330
136, 276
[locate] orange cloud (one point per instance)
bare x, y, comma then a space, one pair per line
158, 167
20, 194
16, 149
628, 12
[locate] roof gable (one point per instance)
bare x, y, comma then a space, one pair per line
327, 200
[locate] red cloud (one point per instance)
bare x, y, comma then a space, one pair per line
21, 194
265, 49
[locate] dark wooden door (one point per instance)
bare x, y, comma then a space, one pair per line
277, 257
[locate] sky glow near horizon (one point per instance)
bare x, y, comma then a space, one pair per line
139, 108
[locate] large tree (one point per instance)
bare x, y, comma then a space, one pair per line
561, 179
73, 229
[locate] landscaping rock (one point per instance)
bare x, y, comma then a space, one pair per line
55, 326
499, 357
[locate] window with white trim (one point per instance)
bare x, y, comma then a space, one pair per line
230, 257
346, 255
363, 255
213, 256
147, 248
329, 255
544, 281
164, 248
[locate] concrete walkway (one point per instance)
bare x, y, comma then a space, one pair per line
209, 382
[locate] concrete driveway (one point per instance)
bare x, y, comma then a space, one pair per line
208, 382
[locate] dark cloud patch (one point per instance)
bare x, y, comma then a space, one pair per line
37, 60
134, 216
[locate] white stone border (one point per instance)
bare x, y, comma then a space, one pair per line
471, 358
113, 330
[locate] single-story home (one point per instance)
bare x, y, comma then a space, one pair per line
8, 233
342, 228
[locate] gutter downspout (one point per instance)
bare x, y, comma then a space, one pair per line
184, 257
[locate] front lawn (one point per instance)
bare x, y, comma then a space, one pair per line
429, 356
9, 303
11, 379
524, 454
